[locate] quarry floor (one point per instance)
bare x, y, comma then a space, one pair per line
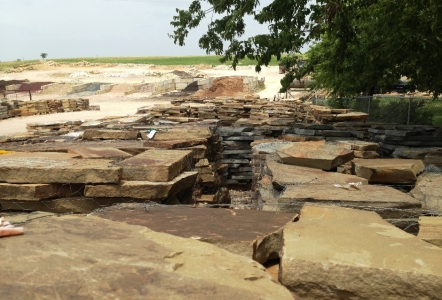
117, 103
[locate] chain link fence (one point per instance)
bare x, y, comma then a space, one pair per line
391, 109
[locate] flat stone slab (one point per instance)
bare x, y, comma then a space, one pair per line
175, 144
238, 231
428, 191
284, 175
148, 190
388, 202
156, 165
36, 192
341, 253
99, 152
101, 134
49, 168
39, 155
314, 155
165, 133
83, 257
358, 145
388, 170
430, 230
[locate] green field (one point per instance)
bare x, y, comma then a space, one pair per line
155, 60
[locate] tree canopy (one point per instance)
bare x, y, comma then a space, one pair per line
357, 44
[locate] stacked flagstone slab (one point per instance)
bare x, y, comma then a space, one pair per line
392, 136
288, 187
55, 181
42, 107
68, 251
340, 253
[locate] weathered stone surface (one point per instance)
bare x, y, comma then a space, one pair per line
39, 155
99, 152
36, 192
428, 191
77, 204
394, 171
413, 153
156, 165
149, 190
387, 201
314, 155
283, 175
340, 253
174, 144
434, 158
50, 168
83, 257
97, 134
430, 230
251, 233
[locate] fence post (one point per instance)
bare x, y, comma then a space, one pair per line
30, 95
368, 108
409, 111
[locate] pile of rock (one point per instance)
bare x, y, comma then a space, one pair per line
42, 107
45, 129
3, 112
391, 137
297, 173
251, 111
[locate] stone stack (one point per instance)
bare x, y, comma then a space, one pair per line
66, 182
3, 112
392, 136
42, 107
237, 152
55, 128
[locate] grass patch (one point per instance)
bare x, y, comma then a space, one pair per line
160, 60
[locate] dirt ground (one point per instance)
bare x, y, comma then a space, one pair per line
115, 102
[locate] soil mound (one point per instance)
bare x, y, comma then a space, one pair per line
223, 86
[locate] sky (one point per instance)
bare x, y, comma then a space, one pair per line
91, 28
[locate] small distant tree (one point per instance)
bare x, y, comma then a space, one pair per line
44, 55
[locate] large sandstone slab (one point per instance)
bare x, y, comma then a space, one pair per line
283, 175
36, 192
156, 165
388, 170
93, 258
148, 190
98, 152
165, 133
314, 155
428, 191
101, 134
252, 233
430, 230
340, 253
39, 155
50, 168
388, 202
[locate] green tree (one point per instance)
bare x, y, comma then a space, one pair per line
44, 55
359, 44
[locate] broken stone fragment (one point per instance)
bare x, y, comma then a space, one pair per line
393, 171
